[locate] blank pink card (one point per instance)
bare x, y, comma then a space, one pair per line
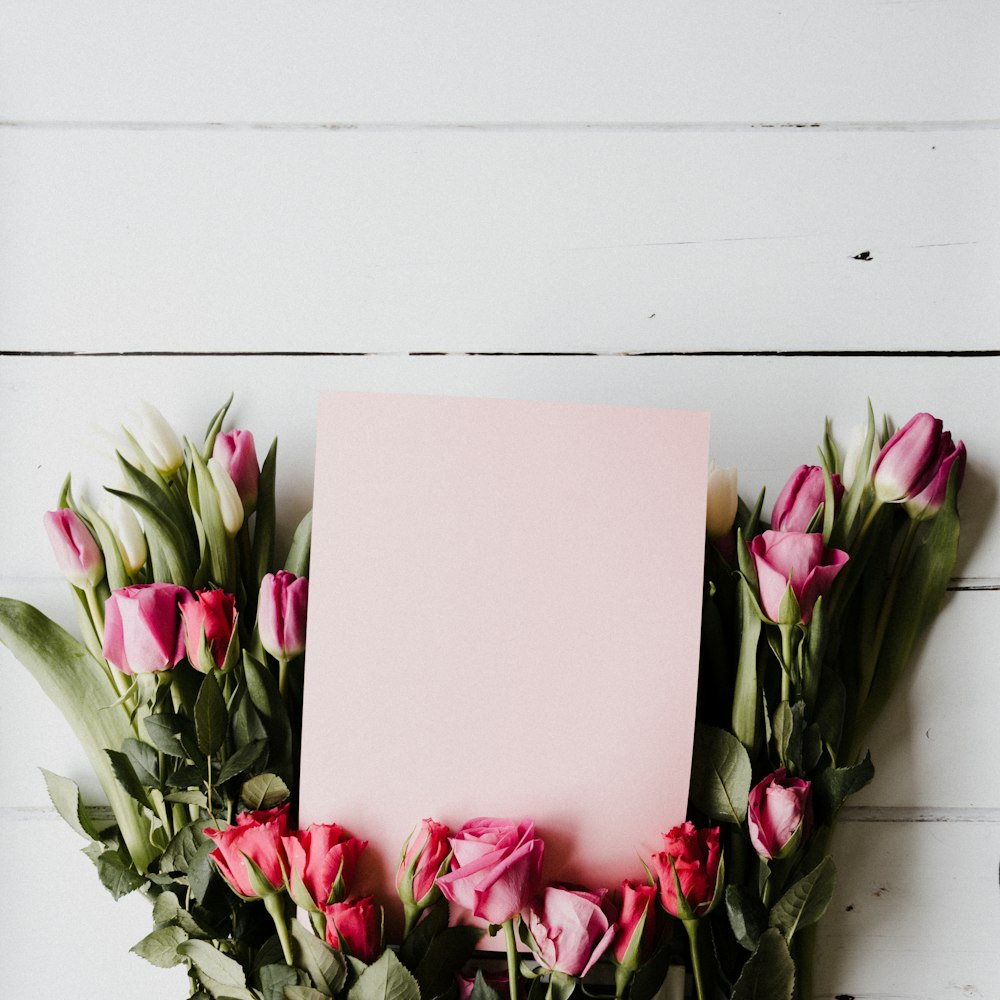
504, 620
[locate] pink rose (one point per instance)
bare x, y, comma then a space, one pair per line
356, 927
420, 864
696, 857
568, 929
142, 627
798, 502
910, 459
324, 859
636, 932
77, 553
793, 557
210, 619
496, 868
281, 614
779, 814
257, 836
236, 453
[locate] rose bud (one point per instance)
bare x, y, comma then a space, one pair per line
496, 868
322, 861
779, 814
796, 560
236, 453
636, 933
800, 498
692, 858
720, 512
567, 929
230, 504
130, 540
142, 627
210, 630
250, 855
928, 501
355, 927
76, 551
423, 858
281, 614
910, 459
158, 441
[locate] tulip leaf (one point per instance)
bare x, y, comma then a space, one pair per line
325, 965
385, 979
218, 554
262, 558
448, 952
833, 786
167, 555
114, 568
806, 901
214, 426
264, 791
160, 947
747, 916
298, 554
720, 774
746, 703
769, 973
211, 720
65, 796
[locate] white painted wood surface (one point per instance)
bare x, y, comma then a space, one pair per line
169, 183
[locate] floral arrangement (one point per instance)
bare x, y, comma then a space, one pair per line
185, 690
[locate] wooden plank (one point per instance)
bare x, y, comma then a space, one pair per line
454, 61
499, 241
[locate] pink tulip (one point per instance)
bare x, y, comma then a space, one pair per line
323, 858
496, 868
356, 926
568, 929
929, 500
636, 932
696, 857
281, 614
779, 814
77, 553
213, 615
142, 627
793, 557
257, 836
423, 856
236, 453
798, 502
910, 459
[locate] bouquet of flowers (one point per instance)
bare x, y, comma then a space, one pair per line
185, 691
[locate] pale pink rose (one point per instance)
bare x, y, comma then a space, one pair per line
570, 929
778, 808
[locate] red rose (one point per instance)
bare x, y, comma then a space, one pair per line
323, 859
356, 927
256, 837
696, 856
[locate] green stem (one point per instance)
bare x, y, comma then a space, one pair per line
786, 662
282, 675
623, 977
411, 914
691, 926
275, 906
508, 929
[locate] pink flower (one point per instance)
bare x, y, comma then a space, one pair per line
257, 836
236, 453
209, 623
779, 814
696, 857
800, 498
281, 614
420, 864
77, 553
142, 627
355, 926
784, 558
496, 868
910, 459
568, 929
929, 500
636, 932
324, 859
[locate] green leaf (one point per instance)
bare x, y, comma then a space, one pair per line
265, 791
325, 965
78, 686
117, 875
114, 568
416, 943
65, 796
214, 426
720, 774
181, 851
167, 910
747, 916
211, 720
273, 979
834, 785
160, 947
649, 977
769, 973
385, 979
447, 953
144, 761
219, 974
806, 901
262, 557
201, 870
788, 728
303, 993
163, 731
127, 777
267, 700
298, 554
746, 703
241, 760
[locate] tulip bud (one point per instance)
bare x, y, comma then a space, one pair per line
281, 614
230, 504
210, 630
77, 553
928, 501
852, 457
779, 814
158, 441
237, 455
722, 501
910, 459
130, 540
800, 498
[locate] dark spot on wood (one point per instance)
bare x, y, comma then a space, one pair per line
849, 909
864, 255
651, 315
844, 996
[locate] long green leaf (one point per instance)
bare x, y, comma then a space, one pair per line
77, 685
298, 554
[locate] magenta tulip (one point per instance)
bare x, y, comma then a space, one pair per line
779, 814
142, 627
77, 553
784, 558
798, 502
236, 453
568, 929
929, 500
910, 459
281, 614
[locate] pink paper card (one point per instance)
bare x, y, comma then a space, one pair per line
504, 620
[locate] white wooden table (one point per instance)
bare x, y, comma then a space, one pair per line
768, 210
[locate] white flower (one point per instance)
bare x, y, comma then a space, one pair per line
230, 503
722, 499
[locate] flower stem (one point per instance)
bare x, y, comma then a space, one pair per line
275, 907
691, 926
282, 675
508, 928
